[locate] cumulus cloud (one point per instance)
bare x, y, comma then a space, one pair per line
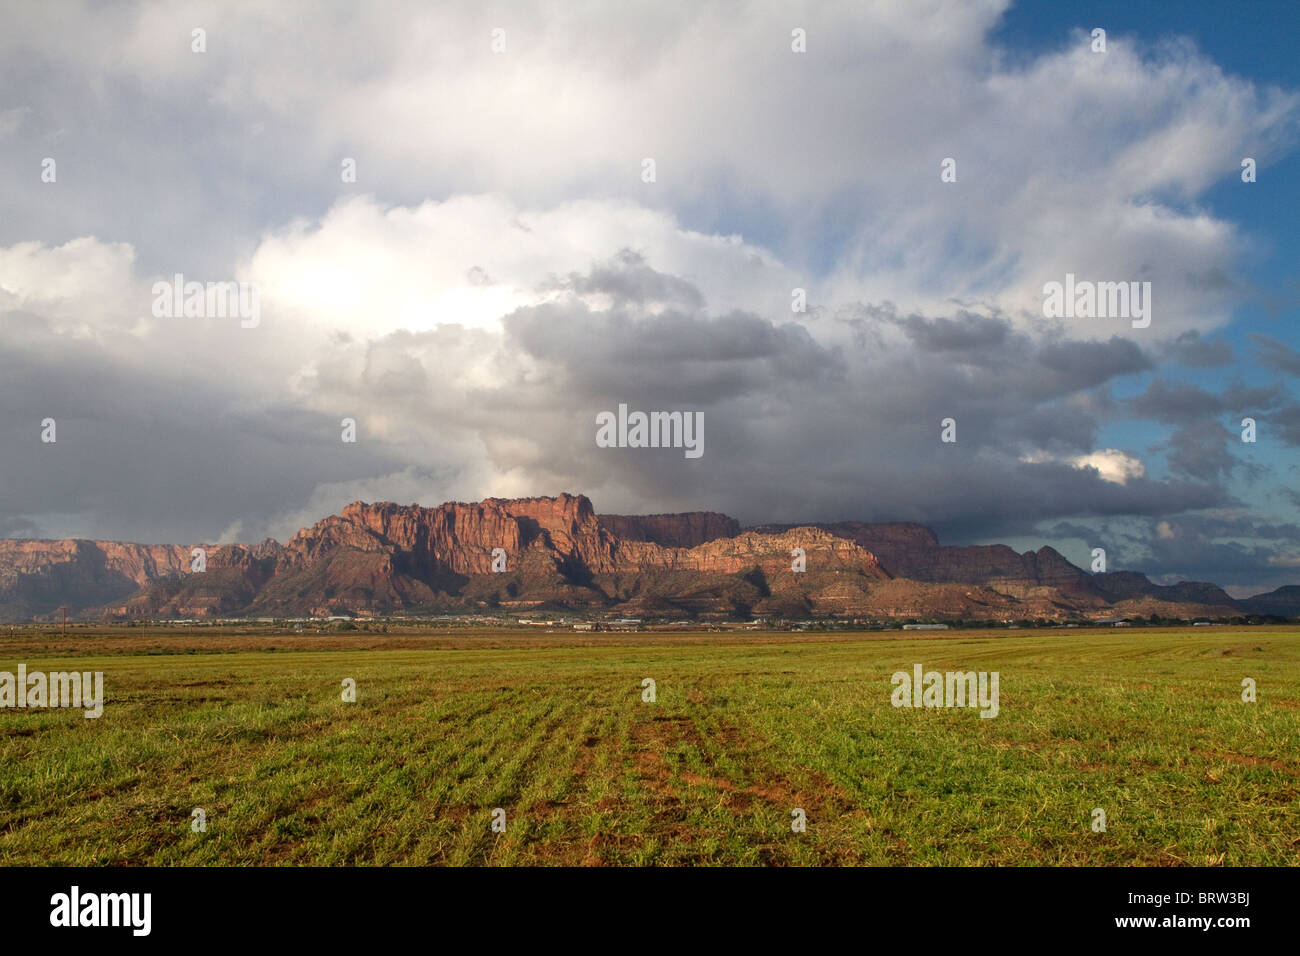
1111, 464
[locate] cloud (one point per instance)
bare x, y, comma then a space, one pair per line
1192, 350
1071, 162
1285, 422
1244, 552
1199, 450
523, 401
965, 333
1113, 465
1277, 355
1175, 404
1085, 364
505, 403
1110, 464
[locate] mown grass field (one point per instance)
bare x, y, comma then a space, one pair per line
1148, 725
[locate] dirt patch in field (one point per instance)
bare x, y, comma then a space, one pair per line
772, 787
1248, 760
597, 847
779, 791
586, 757
651, 739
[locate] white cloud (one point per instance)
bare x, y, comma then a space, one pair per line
1076, 162
1112, 465
82, 286
372, 269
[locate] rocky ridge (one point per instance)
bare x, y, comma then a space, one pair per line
385, 558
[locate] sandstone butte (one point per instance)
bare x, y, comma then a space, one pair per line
375, 559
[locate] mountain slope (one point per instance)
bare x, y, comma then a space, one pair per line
557, 553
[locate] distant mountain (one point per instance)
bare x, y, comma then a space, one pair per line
1284, 602
559, 554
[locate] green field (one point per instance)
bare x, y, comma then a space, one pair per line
1148, 725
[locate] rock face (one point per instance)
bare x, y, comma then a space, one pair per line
913, 551
904, 548
39, 577
674, 531
556, 553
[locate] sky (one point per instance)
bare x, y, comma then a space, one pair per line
471, 228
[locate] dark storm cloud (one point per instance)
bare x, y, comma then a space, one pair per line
1285, 422
1277, 355
1225, 550
1199, 444
998, 358
1200, 450
1248, 553
1193, 350
962, 334
1021, 498
11, 527
1071, 529
1237, 525
1175, 404
1058, 427
797, 431
670, 356
1221, 562
150, 454
1080, 365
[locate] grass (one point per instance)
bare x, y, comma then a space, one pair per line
1147, 725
